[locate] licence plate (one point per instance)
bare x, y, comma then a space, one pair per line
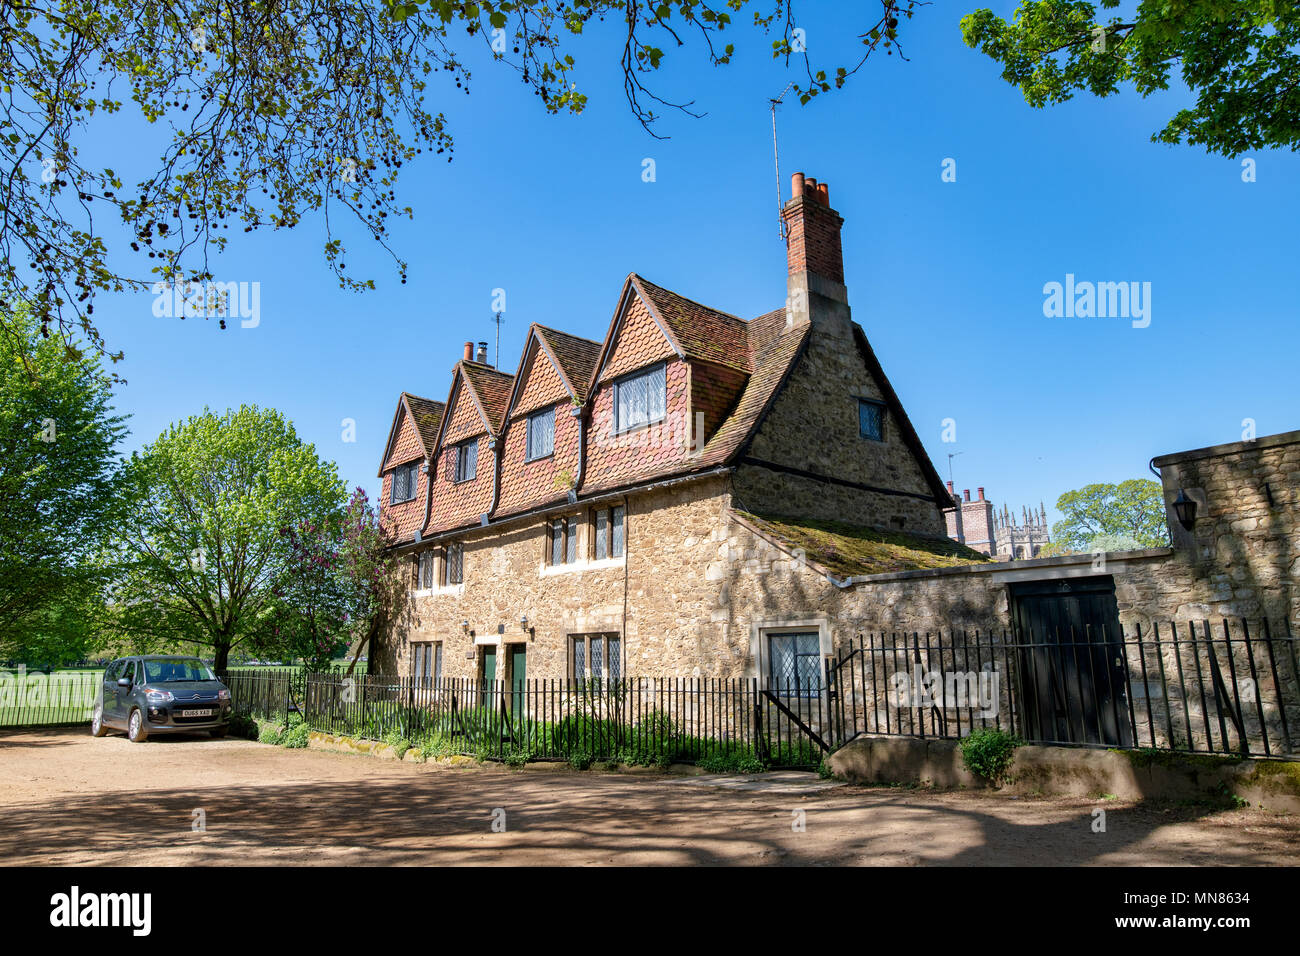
198, 713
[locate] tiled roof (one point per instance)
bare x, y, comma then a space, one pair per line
492, 389
577, 357
700, 332
427, 415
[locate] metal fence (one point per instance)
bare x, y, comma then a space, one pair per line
1226, 687
47, 699
640, 720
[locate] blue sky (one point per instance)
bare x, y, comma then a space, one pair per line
946, 278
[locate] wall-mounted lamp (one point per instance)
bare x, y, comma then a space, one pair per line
464, 626
523, 622
1185, 510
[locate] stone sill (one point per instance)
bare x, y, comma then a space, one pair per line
454, 590
555, 570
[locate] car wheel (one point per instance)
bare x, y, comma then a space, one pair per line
97, 728
217, 732
135, 727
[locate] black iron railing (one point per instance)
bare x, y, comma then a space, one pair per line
1225, 687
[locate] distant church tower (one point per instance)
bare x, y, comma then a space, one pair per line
997, 534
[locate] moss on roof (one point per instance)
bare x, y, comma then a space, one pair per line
848, 550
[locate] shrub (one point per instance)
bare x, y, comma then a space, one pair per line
988, 753
737, 761
269, 734
296, 736
243, 726
581, 760
517, 758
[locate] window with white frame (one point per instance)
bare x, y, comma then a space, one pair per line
641, 399
562, 541
795, 663
405, 478
453, 564
609, 534
596, 656
466, 460
540, 435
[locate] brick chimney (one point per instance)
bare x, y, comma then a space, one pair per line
481, 358
814, 257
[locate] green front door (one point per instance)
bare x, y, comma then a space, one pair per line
489, 665
518, 675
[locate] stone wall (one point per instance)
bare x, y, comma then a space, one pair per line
1244, 549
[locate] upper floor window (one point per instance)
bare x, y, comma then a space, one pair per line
424, 570
453, 564
404, 481
871, 419
541, 434
563, 535
641, 399
467, 460
609, 533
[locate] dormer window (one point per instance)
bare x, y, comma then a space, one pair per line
466, 460
540, 435
641, 399
404, 482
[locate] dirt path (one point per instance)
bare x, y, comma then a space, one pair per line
66, 798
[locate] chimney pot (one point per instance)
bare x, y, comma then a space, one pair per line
482, 353
469, 351
812, 231
981, 493
966, 493
950, 487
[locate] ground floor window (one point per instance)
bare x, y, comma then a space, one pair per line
609, 532
426, 663
596, 655
453, 564
795, 663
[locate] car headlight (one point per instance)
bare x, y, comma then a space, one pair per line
156, 696
223, 694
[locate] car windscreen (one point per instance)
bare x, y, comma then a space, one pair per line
161, 672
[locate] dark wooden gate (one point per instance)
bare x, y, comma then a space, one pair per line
1073, 678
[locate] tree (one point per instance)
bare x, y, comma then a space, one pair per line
278, 110
375, 586
62, 488
1131, 514
1239, 57
205, 559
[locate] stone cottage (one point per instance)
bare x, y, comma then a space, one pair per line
586, 514
702, 495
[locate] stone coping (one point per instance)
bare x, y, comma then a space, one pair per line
1232, 448
1029, 569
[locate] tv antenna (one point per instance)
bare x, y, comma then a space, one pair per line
951, 456
497, 319
776, 158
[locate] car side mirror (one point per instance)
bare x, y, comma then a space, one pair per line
124, 682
